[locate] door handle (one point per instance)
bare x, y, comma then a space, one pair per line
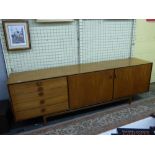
114, 75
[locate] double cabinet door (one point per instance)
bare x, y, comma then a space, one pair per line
102, 86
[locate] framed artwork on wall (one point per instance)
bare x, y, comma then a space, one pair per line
17, 34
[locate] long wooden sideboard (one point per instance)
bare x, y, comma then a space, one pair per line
69, 88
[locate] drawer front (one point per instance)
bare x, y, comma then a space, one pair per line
53, 88
40, 103
48, 93
43, 85
40, 95
22, 115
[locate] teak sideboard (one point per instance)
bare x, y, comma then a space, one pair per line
65, 89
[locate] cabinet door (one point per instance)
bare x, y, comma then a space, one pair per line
90, 88
132, 80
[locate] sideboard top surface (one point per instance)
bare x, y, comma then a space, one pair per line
72, 70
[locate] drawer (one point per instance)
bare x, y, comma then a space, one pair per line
40, 103
30, 87
30, 97
22, 115
28, 92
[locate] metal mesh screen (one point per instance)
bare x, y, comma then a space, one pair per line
105, 39
52, 45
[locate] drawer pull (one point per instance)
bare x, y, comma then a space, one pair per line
41, 94
40, 89
39, 83
43, 110
42, 101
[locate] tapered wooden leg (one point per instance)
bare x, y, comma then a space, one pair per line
44, 120
130, 100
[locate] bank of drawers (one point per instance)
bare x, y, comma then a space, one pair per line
39, 98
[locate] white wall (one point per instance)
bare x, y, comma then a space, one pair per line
145, 42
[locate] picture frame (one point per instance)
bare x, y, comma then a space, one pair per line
16, 34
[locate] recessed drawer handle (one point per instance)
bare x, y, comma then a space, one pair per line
41, 94
42, 101
40, 89
39, 83
43, 110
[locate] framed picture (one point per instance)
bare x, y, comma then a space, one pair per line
17, 34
